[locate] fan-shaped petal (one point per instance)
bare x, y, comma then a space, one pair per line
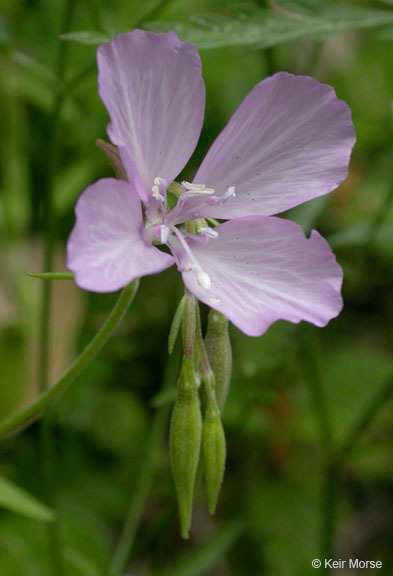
107, 249
289, 141
263, 269
153, 90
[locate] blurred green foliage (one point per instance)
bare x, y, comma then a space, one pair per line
103, 423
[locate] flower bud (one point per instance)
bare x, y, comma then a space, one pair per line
219, 351
214, 453
113, 155
185, 442
189, 323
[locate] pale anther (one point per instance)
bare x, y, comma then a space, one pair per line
196, 189
159, 188
220, 200
203, 278
209, 232
157, 194
230, 193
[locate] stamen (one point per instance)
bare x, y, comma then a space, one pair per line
220, 200
207, 231
230, 193
196, 189
202, 277
159, 189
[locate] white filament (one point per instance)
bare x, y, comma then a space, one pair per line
196, 189
202, 277
207, 231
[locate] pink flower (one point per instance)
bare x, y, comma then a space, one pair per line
289, 141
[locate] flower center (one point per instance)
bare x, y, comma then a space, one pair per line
192, 264
159, 189
163, 229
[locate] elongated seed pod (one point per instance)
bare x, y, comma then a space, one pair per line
214, 453
219, 351
185, 442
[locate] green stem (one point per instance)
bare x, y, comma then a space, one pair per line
79, 77
49, 226
269, 62
95, 14
379, 219
155, 12
77, 367
365, 419
312, 371
333, 458
127, 537
329, 492
140, 494
314, 55
335, 462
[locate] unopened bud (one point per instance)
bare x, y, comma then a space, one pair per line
113, 155
214, 453
185, 442
219, 351
189, 323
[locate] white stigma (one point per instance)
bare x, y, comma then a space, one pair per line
203, 279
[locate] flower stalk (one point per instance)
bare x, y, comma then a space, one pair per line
36, 408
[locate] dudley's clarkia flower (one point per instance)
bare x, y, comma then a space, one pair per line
289, 141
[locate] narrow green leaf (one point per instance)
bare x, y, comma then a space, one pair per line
175, 326
36, 408
52, 275
39, 70
261, 28
388, 2
4, 36
15, 499
164, 397
90, 37
385, 33
204, 557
